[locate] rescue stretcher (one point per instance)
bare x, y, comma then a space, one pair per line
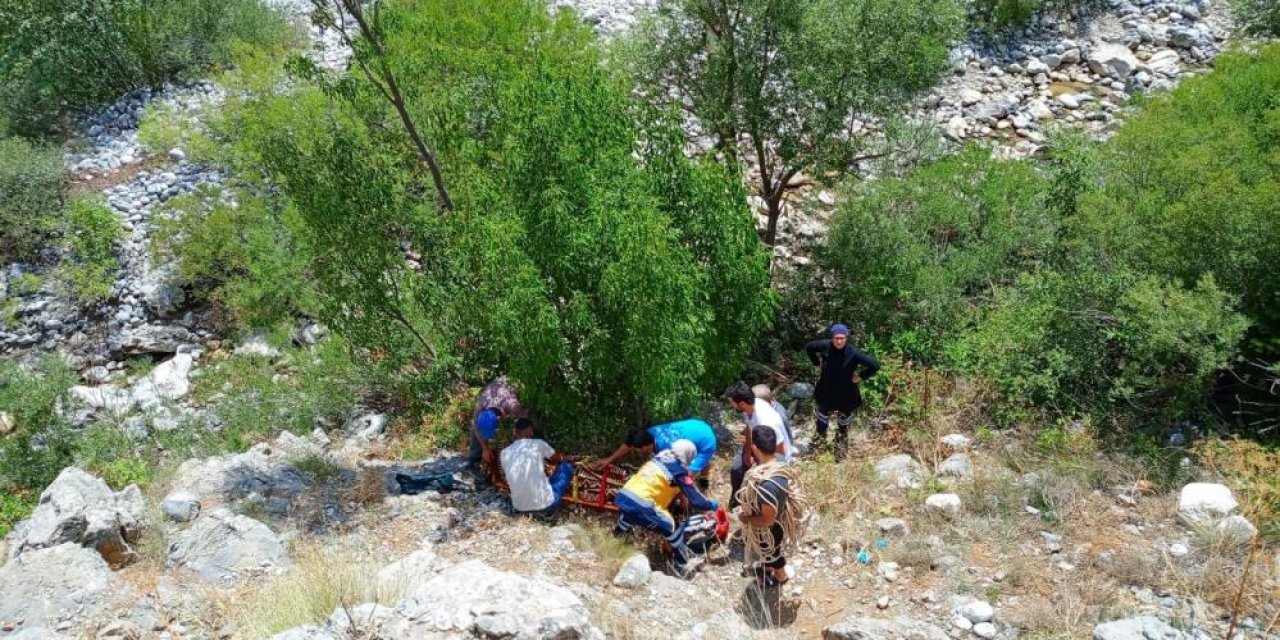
599, 490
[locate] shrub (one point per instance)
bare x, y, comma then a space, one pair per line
998, 15
912, 253
31, 180
1102, 344
40, 445
61, 56
1202, 201
1258, 17
90, 264
238, 251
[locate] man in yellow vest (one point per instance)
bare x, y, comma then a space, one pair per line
644, 499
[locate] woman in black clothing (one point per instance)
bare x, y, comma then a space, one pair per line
841, 369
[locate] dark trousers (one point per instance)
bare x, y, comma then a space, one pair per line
777, 561
845, 415
736, 474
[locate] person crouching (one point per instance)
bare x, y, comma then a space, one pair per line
522, 466
644, 499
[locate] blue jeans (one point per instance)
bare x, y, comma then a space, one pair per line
561, 479
647, 515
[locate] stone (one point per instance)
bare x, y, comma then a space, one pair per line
900, 469
1069, 100
1236, 528
223, 548
168, 381
955, 441
888, 571
900, 628
948, 503
985, 630
366, 427
1051, 60
7, 423
634, 572
472, 599
55, 586
158, 292
1179, 549
1112, 61
956, 128
409, 572
177, 155
1166, 61
256, 346
1138, 628
1036, 67
962, 623
80, 508
882, 603
1202, 502
180, 506
800, 390
152, 339
896, 527
1039, 110
977, 611
266, 469
970, 97
106, 398
957, 465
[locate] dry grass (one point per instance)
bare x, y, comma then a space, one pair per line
1219, 570
913, 551
321, 581
1250, 470
1136, 567
610, 551
370, 487
1070, 613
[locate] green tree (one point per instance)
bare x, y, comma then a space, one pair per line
787, 84
584, 254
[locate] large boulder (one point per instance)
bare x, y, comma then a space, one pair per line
56, 587
901, 628
266, 469
223, 547
1112, 61
1203, 502
1139, 628
957, 465
81, 509
473, 599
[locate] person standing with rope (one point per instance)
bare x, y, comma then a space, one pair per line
772, 510
841, 368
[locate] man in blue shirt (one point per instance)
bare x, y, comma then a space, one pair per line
661, 436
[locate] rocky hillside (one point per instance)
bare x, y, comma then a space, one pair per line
930, 529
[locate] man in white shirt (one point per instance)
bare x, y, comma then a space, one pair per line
522, 466
755, 412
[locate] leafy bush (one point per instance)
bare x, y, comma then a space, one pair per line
73, 54
1202, 200
91, 231
1258, 17
31, 180
998, 15
1098, 344
239, 252
915, 251
40, 445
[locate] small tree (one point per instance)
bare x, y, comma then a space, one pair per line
786, 83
